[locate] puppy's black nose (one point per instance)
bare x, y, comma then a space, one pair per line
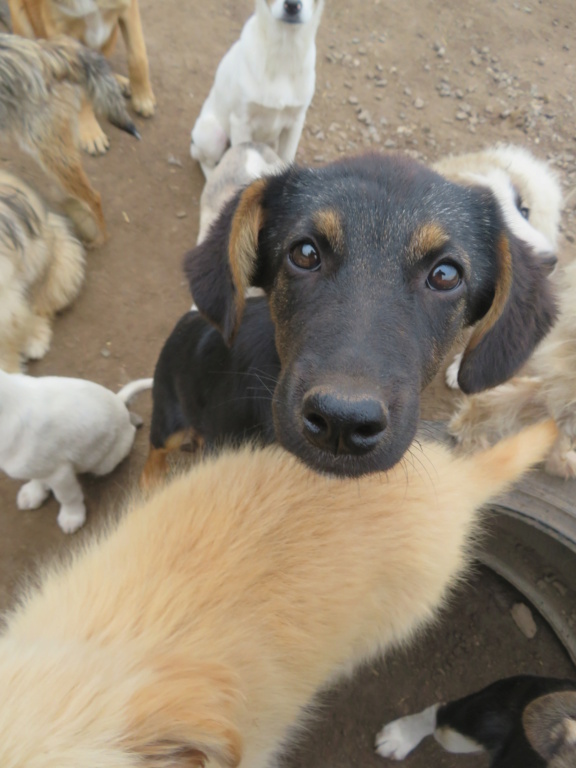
341, 424
292, 7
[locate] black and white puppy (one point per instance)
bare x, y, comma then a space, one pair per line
523, 722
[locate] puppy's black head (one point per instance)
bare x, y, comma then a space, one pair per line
372, 266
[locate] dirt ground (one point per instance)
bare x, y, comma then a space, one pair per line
423, 77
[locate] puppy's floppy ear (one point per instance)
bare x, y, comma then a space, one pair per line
185, 716
220, 268
550, 724
522, 312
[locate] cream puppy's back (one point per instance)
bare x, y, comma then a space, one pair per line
49, 420
207, 619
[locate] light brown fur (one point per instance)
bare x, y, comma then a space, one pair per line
546, 388
40, 86
97, 28
41, 272
201, 626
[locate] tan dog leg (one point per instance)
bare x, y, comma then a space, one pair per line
62, 159
19, 18
143, 99
92, 138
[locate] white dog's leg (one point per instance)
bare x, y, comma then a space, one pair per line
290, 138
67, 490
208, 142
452, 372
32, 495
400, 737
397, 739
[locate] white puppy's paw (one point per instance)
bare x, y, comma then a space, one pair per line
71, 517
394, 742
452, 372
397, 739
31, 495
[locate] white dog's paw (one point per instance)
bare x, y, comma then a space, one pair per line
71, 517
397, 739
452, 372
31, 495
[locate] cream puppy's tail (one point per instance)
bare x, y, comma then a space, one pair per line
501, 465
134, 388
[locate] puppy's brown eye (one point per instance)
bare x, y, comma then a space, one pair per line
305, 256
444, 277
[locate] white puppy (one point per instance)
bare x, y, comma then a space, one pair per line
52, 428
263, 85
240, 165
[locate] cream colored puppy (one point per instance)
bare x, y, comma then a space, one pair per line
41, 272
546, 388
199, 628
263, 85
526, 188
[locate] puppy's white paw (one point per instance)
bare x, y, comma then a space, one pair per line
394, 742
397, 739
71, 517
452, 372
31, 495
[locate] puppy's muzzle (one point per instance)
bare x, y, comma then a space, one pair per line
343, 425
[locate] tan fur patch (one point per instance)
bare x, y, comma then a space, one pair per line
503, 287
429, 237
328, 224
243, 244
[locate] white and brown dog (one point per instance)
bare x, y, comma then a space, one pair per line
41, 272
263, 85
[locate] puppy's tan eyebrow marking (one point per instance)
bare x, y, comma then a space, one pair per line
328, 224
427, 238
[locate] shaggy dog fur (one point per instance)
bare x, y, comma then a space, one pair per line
40, 86
41, 272
200, 627
263, 85
95, 23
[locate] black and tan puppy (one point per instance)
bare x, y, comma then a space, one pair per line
208, 393
372, 266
